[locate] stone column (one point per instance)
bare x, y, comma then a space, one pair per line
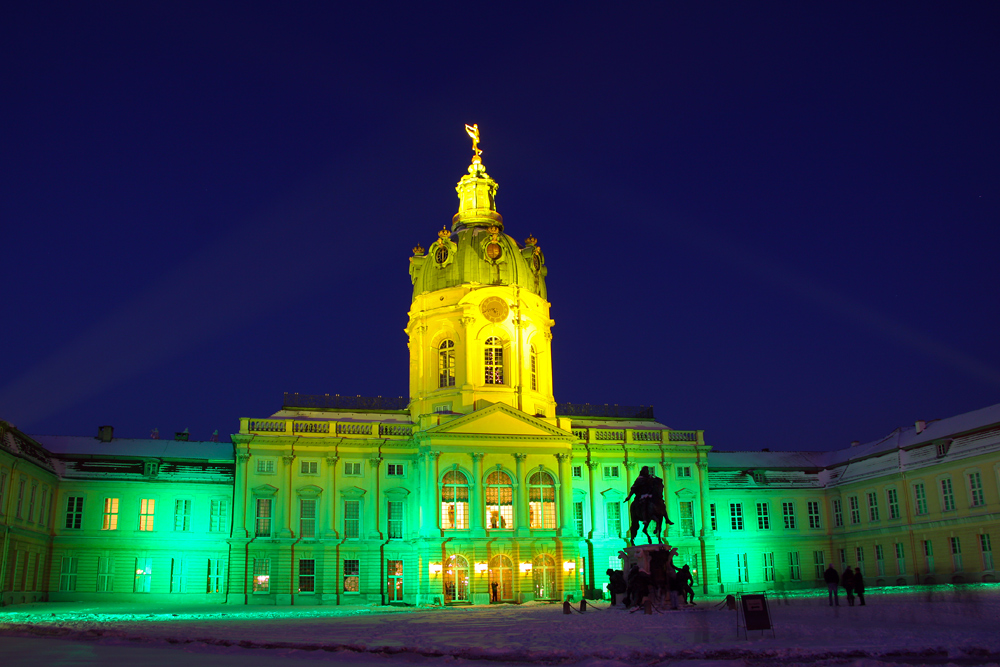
431, 507
283, 502
521, 505
371, 519
591, 467
476, 497
328, 509
563, 488
240, 512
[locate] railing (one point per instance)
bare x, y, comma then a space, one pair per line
619, 411
639, 436
325, 428
338, 402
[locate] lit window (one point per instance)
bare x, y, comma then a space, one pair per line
143, 575
395, 519
307, 517
263, 522
261, 575
499, 501
394, 568
307, 575
352, 576
454, 501
493, 360
446, 364
216, 575
110, 514
541, 501
534, 369
146, 512
352, 519
182, 515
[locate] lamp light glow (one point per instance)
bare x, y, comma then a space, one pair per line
481, 567
435, 568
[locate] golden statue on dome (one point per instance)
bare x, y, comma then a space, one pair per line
473, 132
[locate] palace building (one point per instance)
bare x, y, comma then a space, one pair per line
480, 486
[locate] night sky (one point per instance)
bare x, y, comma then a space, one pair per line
774, 222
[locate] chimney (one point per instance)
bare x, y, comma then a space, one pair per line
105, 433
921, 425
181, 435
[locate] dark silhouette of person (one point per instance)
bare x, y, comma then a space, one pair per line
859, 587
616, 584
496, 592
847, 581
684, 582
832, 580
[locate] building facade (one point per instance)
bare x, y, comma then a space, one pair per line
479, 487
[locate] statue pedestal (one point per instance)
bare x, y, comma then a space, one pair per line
640, 555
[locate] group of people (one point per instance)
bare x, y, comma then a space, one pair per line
852, 581
681, 584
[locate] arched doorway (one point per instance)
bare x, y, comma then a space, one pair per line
502, 574
544, 570
456, 579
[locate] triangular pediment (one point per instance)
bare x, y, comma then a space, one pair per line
499, 419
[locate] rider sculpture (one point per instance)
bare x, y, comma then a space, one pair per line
648, 504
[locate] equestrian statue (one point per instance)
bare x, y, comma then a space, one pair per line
647, 506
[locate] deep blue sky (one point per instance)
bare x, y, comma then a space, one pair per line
777, 222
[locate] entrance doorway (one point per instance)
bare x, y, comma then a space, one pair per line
456, 579
502, 574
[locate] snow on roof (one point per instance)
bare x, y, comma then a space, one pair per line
343, 416
167, 449
768, 460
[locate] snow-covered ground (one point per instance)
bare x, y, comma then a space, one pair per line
939, 625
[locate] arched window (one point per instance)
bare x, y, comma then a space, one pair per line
534, 369
499, 501
502, 575
493, 360
456, 579
446, 363
543, 569
454, 501
541, 500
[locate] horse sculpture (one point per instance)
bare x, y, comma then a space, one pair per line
644, 512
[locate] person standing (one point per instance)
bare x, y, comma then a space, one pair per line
832, 580
847, 581
859, 586
685, 580
616, 584
495, 588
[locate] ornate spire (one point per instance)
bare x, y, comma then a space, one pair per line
476, 192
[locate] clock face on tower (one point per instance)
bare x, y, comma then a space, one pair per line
494, 309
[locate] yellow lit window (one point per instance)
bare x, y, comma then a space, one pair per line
110, 514
146, 508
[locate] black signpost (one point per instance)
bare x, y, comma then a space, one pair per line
754, 613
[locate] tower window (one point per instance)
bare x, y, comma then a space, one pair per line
446, 363
493, 360
534, 369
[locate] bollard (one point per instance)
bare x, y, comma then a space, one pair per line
566, 608
583, 605
649, 607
